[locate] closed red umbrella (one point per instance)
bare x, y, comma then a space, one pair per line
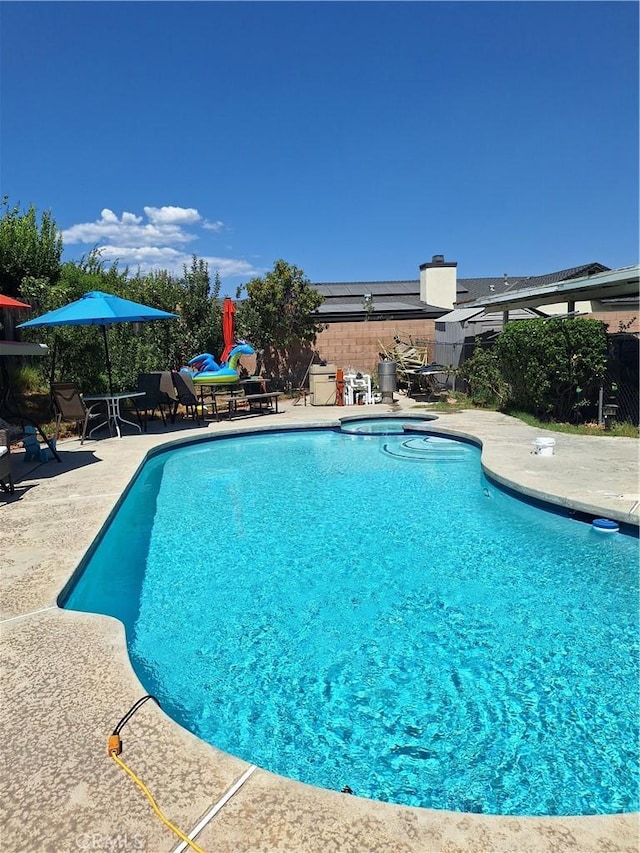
10, 302
228, 310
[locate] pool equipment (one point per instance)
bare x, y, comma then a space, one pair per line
357, 389
544, 446
322, 384
387, 379
605, 525
114, 749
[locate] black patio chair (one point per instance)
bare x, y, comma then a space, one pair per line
154, 398
187, 397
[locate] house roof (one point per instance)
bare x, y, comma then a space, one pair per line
383, 308
359, 288
393, 300
601, 285
470, 289
392, 297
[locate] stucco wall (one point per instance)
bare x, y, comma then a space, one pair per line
358, 344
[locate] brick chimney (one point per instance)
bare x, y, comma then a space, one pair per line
438, 282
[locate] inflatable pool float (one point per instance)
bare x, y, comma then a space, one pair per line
205, 370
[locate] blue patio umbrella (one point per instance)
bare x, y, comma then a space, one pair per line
99, 309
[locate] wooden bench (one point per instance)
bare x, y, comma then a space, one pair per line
260, 403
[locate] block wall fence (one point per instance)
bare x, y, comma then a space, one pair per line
614, 318
358, 344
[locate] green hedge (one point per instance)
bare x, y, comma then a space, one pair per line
553, 368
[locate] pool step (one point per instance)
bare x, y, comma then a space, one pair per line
427, 449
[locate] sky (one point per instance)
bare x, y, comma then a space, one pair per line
353, 139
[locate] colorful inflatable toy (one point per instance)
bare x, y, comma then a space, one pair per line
205, 370
202, 363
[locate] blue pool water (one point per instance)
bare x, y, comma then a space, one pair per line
378, 426
369, 610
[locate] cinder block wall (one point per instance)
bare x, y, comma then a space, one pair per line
614, 318
358, 344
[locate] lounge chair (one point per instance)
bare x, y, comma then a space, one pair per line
69, 406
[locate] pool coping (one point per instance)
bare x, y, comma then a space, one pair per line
68, 679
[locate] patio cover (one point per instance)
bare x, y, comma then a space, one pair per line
22, 348
459, 315
612, 284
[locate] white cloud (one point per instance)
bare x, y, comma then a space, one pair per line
127, 231
213, 226
109, 215
231, 267
157, 243
168, 215
149, 258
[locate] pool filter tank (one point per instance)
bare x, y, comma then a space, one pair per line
387, 379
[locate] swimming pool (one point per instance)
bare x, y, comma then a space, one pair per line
371, 611
388, 425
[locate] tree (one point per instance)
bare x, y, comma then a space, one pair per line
79, 349
27, 248
279, 312
134, 347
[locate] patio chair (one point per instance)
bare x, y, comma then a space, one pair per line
6, 478
69, 406
154, 397
187, 397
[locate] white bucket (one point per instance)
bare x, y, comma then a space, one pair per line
544, 446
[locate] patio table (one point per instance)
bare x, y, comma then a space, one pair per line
114, 416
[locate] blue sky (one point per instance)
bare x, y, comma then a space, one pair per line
353, 139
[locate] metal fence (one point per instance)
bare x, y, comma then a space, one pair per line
622, 379
620, 386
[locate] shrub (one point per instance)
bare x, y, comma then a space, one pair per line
553, 367
27, 378
487, 388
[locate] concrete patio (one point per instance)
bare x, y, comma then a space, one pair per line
67, 678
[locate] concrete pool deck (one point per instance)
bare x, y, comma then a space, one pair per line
67, 679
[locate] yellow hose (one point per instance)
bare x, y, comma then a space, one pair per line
156, 807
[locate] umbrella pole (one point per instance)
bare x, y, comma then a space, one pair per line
52, 375
106, 348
